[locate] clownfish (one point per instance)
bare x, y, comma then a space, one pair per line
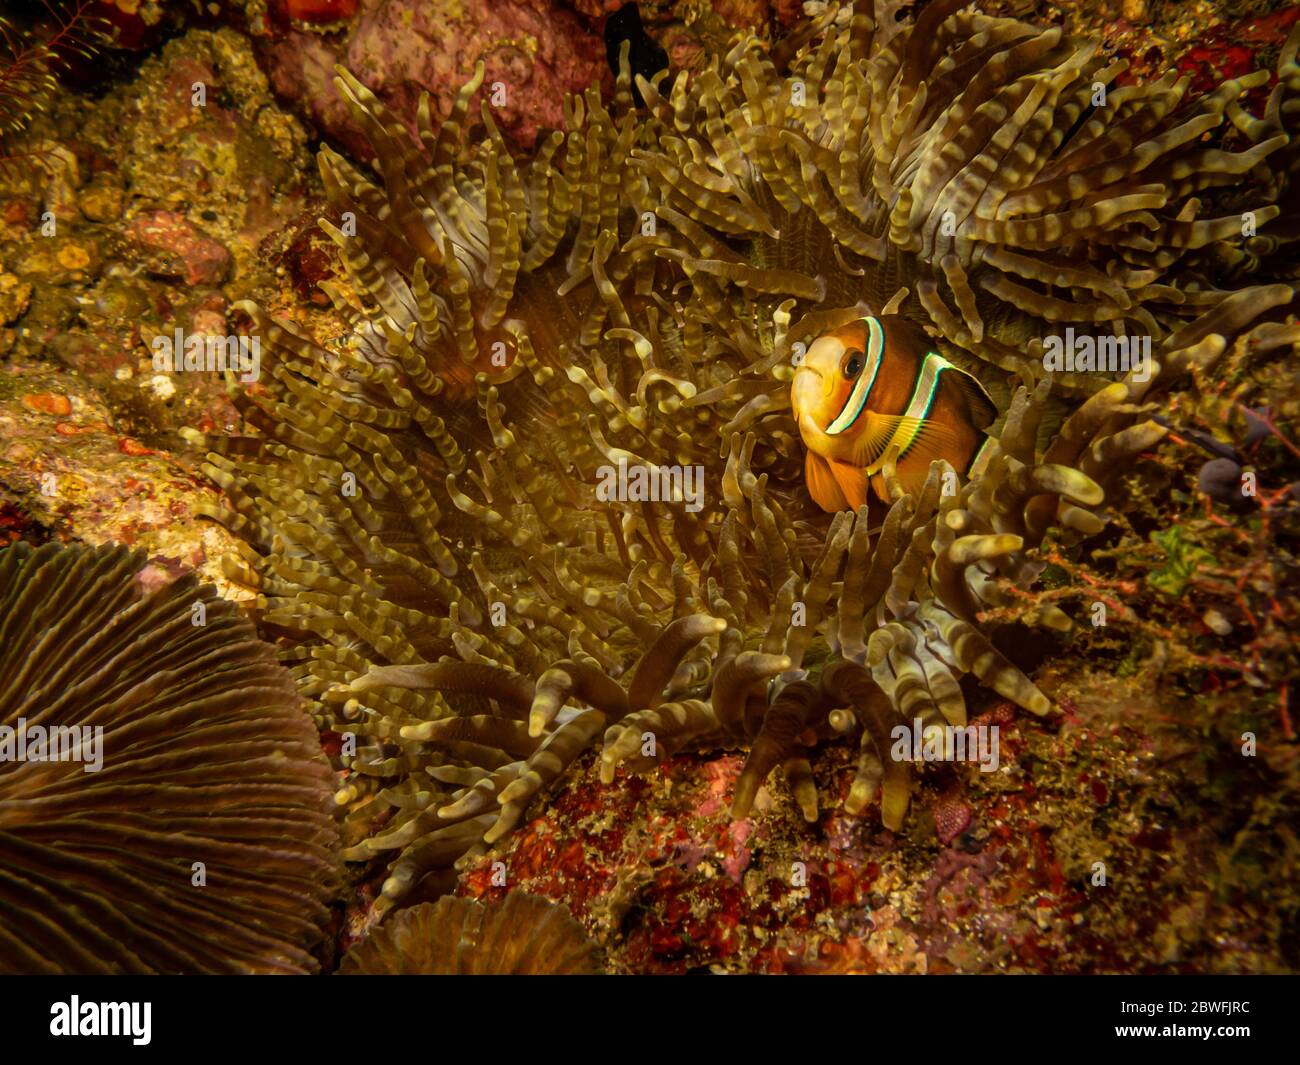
876, 390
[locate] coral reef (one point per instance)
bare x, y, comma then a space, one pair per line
521, 936
660, 874
152, 214
170, 808
419, 502
71, 474
134, 233
534, 52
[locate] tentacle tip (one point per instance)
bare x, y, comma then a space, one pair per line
747, 785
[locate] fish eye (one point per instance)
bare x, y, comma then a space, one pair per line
852, 362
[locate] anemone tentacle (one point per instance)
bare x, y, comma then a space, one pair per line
421, 512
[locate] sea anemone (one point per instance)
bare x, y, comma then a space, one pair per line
420, 506
522, 935
164, 804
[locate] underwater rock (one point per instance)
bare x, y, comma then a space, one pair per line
536, 50
66, 469
1221, 479
187, 169
61, 260
15, 295
224, 134
314, 12
48, 403
102, 200
596, 10
661, 876
175, 247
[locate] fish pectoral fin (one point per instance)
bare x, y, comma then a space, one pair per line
875, 436
823, 486
852, 481
904, 435
935, 441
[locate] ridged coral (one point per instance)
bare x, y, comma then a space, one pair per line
419, 509
206, 756
523, 935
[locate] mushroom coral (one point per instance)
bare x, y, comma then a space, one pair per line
522, 935
164, 803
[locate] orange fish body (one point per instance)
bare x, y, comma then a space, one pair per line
876, 391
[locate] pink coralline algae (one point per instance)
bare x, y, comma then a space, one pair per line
185, 250
951, 819
738, 858
534, 52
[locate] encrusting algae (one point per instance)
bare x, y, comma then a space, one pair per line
418, 507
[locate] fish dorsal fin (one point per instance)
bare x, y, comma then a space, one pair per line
823, 486
979, 404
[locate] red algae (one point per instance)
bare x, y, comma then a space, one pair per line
1017, 871
316, 11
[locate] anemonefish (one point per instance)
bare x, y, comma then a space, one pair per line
877, 390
